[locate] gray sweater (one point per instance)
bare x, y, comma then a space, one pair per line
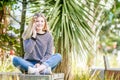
39, 49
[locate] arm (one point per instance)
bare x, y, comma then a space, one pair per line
29, 45
49, 50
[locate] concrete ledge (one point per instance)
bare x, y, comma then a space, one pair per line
20, 76
99, 72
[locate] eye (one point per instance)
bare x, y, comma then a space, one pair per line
37, 21
42, 21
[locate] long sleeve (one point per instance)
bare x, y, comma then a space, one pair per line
29, 45
39, 48
49, 50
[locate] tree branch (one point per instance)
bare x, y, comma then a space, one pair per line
19, 1
14, 19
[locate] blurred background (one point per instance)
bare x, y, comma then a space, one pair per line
83, 31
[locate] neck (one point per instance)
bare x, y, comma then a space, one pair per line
41, 32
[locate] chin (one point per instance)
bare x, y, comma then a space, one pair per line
39, 29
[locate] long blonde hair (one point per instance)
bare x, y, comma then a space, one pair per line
28, 32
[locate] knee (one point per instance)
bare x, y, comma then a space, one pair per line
15, 60
59, 57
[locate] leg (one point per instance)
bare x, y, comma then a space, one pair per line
53, 61
21, 63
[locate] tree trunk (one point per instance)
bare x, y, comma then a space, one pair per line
65, 66
24, 6
3, 20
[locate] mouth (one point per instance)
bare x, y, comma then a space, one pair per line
40, 26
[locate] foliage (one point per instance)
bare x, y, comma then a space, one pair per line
67, 20
10, 40
7, 66
7, 40
109, 35
7, 3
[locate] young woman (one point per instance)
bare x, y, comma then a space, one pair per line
38, 47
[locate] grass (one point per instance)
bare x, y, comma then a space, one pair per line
7, 66
98, 61
80, 70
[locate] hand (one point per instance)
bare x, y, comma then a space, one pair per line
34, 30
37, 65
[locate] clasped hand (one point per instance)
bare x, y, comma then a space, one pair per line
34, 30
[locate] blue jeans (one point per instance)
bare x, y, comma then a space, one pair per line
23, 64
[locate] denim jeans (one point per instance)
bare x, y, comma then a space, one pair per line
23, 64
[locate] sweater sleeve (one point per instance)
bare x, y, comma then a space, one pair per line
29, 45
49, 50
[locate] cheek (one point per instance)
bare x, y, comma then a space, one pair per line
43, 24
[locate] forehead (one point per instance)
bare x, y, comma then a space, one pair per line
40, 18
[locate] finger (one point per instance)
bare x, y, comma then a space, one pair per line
34, 27
35, 65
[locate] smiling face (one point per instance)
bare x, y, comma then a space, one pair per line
40, 23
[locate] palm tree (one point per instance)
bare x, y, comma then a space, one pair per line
72, 34
73, 24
